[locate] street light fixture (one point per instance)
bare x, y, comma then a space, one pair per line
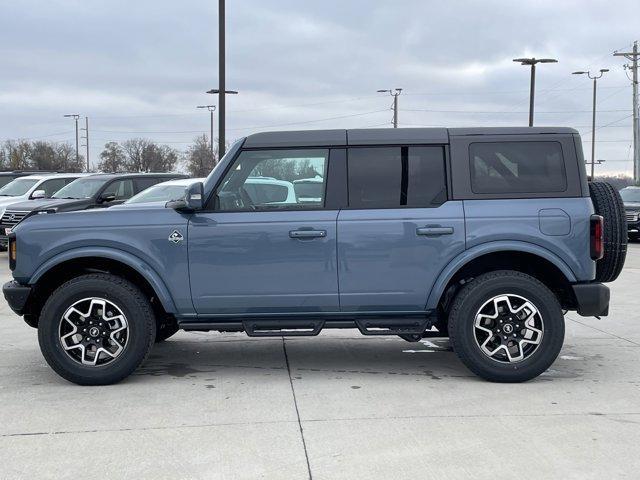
75, 117
211, 109
221, 116
595, 78
532, 87
394, 93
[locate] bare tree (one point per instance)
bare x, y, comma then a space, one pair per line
112, 158
199, 159
142, 155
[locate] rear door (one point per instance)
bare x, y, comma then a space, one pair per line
399, 230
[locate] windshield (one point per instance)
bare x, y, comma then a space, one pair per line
627, 194
81, 188
159, 193
19, 186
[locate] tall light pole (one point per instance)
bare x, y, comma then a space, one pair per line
221, 119
211, 109
532, 86
86, 139
75, 116
633, 56
593, 116
394, 93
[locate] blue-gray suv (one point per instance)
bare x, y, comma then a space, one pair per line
484, 235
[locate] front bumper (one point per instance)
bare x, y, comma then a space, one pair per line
592, 299
16, 295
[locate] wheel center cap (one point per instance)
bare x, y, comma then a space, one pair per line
94, 331
507, 328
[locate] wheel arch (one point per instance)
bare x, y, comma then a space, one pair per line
69, 264
526, 258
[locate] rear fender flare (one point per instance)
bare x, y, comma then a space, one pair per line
486, 248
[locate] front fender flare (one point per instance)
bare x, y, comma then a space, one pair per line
128, 259
491, 247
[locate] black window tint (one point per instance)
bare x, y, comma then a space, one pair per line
517, 167
144, 183
375, 177
426, 184
395, 177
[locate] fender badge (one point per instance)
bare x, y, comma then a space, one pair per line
176, 237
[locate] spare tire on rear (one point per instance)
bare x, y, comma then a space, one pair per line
608, 203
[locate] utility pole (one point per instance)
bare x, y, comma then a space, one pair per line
532, 82
593, 117
75, 116
211, 109
394, 93
633, 56
86, 139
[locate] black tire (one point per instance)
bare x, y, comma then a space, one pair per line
608, 203
633, 237
165, 330
122, 293
481, 290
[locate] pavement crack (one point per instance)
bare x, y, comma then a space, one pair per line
604, 331
295, 402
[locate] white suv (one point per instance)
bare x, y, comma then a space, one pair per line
31, 188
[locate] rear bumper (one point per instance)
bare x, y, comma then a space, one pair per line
16, 295
592, 299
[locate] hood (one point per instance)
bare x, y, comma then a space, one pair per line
59, 204
127, 206
632, 205
4, 201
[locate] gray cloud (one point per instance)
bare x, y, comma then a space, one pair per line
142, 66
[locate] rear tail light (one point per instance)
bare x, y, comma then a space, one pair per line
597, 237
13, 253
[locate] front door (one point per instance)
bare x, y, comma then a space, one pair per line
400, 229
264, 247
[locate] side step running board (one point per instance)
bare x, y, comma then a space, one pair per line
290, 328
401, 326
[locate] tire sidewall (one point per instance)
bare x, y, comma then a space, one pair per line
545, 354
139, 333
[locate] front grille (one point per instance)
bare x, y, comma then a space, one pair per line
12, 218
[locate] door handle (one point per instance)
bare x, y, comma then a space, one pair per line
307, 233
434, 231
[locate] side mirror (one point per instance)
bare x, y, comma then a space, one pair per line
192, 200
109, 197
38, 194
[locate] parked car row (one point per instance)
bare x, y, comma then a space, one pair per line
46, 192
65, 192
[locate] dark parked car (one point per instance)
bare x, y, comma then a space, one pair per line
96, 191
484, 235
631, 198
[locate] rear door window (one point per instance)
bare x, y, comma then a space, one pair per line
517, 167
396, 177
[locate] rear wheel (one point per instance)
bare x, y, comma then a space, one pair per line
608, 203
96, 329
506, 326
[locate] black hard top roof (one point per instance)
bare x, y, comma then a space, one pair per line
385, 136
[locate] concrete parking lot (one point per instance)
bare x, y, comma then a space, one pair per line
341, 405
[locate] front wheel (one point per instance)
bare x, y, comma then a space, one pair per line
506, 326
96, 329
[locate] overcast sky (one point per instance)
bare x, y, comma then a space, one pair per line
138, 68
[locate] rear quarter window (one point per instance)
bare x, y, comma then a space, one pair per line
517, 167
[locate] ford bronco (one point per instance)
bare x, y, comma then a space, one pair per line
484, 235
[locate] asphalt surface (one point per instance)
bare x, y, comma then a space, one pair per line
337, 406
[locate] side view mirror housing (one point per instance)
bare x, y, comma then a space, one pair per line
109, 197
39, 194
192, 200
